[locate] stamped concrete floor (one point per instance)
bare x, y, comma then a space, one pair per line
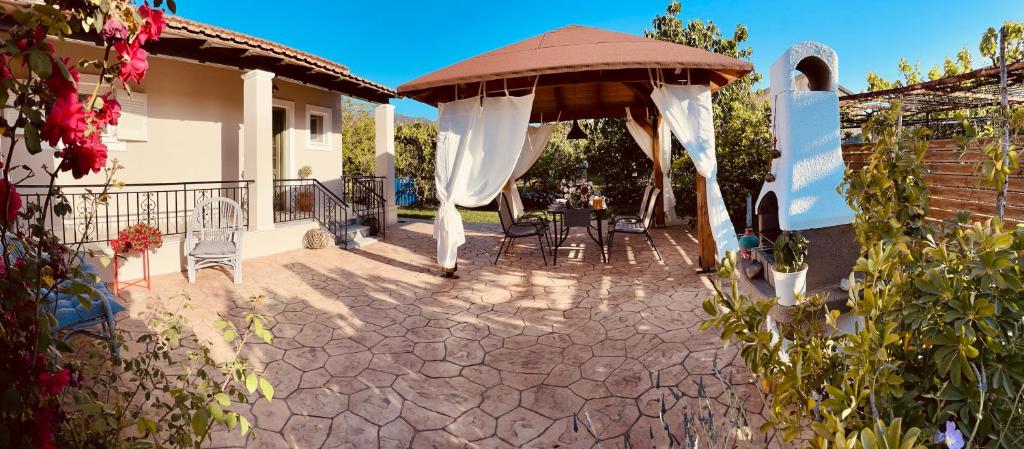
372, 349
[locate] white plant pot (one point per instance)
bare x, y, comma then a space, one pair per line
787, 285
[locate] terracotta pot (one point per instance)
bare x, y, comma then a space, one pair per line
306, 201
787, 285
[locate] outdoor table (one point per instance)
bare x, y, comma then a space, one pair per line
563, 219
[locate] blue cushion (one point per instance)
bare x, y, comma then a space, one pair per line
70, 311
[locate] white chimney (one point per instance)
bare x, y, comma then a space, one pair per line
805, 121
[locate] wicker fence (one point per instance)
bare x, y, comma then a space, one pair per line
953, 182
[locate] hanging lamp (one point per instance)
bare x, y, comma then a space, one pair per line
576, 133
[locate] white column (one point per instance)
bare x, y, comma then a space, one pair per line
257, 147
384, 119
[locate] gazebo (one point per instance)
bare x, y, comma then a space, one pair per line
571, 73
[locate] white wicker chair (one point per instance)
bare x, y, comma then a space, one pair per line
214, 237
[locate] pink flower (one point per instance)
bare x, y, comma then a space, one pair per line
66, 120
10, 201
114, 29
5, 69
133, 62
84, 157
53, 384
110, 112
152, 26
58, 83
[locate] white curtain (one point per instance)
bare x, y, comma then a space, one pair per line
478, 146
537, 138
687, 111
644, 139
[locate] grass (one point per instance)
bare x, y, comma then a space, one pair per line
468, 215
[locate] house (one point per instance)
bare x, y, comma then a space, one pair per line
226, 114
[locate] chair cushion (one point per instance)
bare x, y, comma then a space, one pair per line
523, 230
214, 248
70, 311
629, 226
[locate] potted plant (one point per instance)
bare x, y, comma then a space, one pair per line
789, 270
577, 204
306, 199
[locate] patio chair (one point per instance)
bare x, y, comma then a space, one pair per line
525, 226
636, 225
93, 317
214, 237
640, 211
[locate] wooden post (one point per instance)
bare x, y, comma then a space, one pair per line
659, 172
1004, 115
705, 240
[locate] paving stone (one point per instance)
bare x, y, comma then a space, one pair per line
423, 419
396, 434
349, 431
450, 396
306, 359
535, 360
499, 400
472, 425
429, 351
521, 425
348, 365
376, 405
553, 402
306, 431
320, 402
599, 368
612, 416
629, 380
440, 369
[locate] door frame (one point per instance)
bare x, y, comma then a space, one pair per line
288, 152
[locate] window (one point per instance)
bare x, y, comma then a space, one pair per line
319, 120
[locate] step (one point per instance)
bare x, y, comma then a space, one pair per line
357, 236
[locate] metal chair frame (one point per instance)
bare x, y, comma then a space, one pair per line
529, 225
636, 225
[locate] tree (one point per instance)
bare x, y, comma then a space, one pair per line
414, 155
358, 144
961, 63
743, 139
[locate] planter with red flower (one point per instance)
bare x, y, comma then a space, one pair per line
137, 239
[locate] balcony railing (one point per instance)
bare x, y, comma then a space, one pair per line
166, 206
365, 194
303, 199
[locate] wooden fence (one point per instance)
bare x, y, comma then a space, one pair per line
953, 182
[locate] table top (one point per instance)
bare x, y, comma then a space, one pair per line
558, 208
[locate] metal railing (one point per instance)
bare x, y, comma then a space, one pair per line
303, 199
365, 194
88, 218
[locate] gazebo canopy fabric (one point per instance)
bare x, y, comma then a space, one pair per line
579, 73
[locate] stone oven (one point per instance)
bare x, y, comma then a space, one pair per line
799, 193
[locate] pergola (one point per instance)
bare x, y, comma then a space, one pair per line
578, 72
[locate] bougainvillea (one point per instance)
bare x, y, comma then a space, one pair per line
42, 102
137, 238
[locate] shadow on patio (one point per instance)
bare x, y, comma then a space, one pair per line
372, 349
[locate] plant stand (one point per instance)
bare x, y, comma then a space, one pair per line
118, 285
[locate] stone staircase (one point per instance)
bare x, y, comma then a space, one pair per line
356, 236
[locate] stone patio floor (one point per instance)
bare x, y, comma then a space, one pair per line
373, 349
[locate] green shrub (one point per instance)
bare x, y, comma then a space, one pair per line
939, 311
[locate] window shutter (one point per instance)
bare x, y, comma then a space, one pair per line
133, 124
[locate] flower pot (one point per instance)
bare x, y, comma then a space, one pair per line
787, 285
306, 201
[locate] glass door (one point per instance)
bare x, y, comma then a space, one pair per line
278, 127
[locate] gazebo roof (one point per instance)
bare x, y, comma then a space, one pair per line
583, 72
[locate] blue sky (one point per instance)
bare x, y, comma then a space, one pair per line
392, 41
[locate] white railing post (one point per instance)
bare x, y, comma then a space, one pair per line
384, 119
